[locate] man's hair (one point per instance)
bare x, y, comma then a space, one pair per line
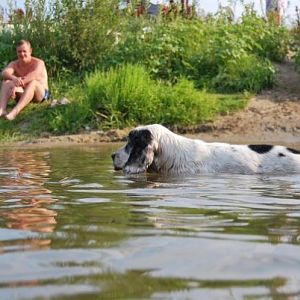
22, 42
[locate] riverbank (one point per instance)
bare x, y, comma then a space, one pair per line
272, 116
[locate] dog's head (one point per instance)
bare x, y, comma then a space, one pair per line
138, 154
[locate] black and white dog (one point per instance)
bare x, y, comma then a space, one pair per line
155, 148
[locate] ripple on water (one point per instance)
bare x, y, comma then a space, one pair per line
71, 226
93, 200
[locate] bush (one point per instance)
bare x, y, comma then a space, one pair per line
127, 96
79, 36
68, 35
247, 72
6, 48
262, 38
200, 50
231, 50
295, 41
182, 104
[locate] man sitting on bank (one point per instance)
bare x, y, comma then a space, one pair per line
24, 80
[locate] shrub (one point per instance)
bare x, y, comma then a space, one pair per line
262, 38
246, 72
237, 56
297, 61
6, 48
79, 36
200, 50
182, 104
126, 95
69, 35
295, 44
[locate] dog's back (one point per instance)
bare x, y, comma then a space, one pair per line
253, 158
157, 148
196, 156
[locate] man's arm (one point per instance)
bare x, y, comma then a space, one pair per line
9, 74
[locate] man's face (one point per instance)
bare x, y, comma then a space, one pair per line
24, 53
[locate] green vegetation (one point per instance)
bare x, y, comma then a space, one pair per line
295, 40
296, 45
128, 95
121, 70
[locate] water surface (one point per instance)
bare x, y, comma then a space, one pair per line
72, 228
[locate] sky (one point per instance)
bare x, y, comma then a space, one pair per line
211, 5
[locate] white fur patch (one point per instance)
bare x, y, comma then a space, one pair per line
155, 148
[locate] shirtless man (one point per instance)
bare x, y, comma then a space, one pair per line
24, 80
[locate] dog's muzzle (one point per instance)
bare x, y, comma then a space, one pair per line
118, 163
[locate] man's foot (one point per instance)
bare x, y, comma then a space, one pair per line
10, 116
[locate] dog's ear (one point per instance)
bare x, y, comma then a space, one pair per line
141, 155
140, 138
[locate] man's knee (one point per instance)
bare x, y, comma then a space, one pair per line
32, 84
7, 84
33, 87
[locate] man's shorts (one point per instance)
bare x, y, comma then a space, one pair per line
47, 95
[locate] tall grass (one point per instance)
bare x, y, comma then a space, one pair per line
127, 95
240, 74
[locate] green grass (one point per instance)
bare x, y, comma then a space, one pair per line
121, 97
127, 96
170, 71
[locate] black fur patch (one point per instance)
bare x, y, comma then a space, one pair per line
293, 150
281, 154
261, 149
128, 147
138, 140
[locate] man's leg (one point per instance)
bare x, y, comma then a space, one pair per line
5, 94
34, 90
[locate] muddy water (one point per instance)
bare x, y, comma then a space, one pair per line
72, 228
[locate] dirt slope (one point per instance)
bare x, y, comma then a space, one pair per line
273, 115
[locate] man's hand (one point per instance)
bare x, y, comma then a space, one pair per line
15, 90
18, 81
18, 86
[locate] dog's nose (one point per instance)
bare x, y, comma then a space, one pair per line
113, 156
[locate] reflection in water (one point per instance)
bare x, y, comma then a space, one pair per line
24, 196
33, 218
152, 237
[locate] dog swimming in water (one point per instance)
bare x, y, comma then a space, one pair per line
157, 149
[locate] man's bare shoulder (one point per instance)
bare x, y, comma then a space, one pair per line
37, 60
12, 64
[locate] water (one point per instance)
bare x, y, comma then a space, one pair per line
72, 228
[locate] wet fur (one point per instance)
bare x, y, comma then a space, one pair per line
155, 148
